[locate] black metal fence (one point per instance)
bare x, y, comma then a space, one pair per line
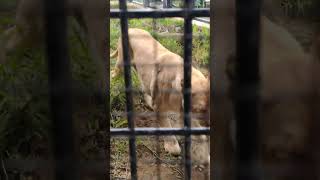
60, 90
171, 3
59, 77
247, 53
187, 13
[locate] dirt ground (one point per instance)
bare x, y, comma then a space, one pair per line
152, 160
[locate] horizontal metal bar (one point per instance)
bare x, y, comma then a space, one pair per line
158, 131
165, 91
154, 114
160, 13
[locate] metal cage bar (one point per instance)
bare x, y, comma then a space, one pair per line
247, 78
146, 3
159, 131
247, 56
160, 13
60, 89
246, 109
128, 85
187, 13
167, 4
187, 85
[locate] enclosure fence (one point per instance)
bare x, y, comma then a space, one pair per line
245, 108
187, 13
59, 79
247, 52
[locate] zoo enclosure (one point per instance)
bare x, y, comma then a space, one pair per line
59, 80
187, 13
245, 108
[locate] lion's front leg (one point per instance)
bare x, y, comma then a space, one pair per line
171, 144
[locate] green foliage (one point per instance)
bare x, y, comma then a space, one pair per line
201, 46
24, 109
114, 33
24, 104
199, 4
117, 91
120, 147
201, 38
118, 99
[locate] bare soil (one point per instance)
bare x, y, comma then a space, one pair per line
153, 162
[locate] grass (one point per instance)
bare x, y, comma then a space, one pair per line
24, 109
201, 42
201, 45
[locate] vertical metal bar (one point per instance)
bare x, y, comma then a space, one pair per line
106, 141
167, 4
128, 86
146, 3
187, 85
247, 87
60, 89
164, 3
